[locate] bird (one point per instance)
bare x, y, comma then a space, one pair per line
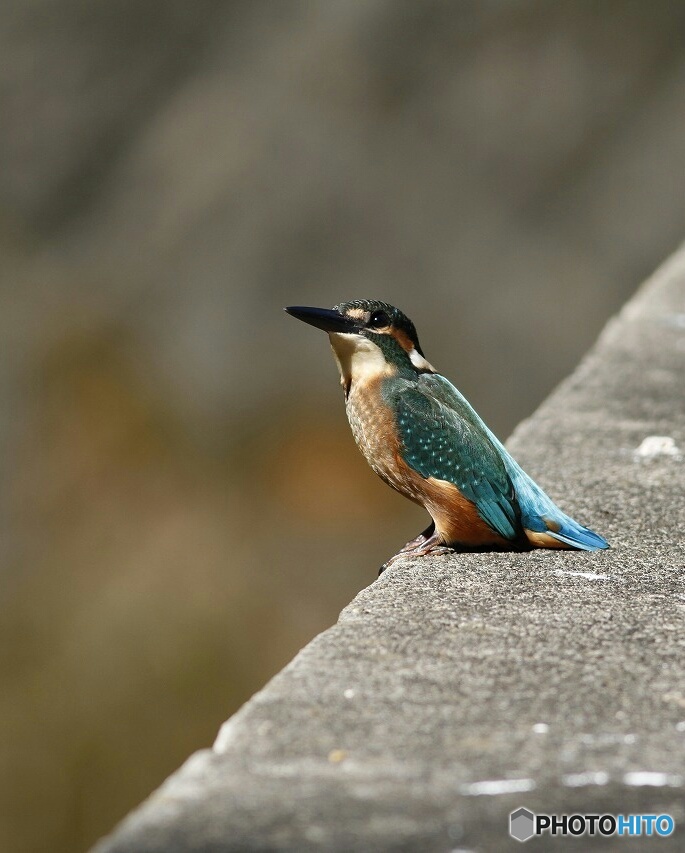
423, 438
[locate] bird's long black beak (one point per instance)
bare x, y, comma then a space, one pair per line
323, 318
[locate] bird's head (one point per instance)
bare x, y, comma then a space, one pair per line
369, 338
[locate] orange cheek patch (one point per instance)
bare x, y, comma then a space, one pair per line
403, 339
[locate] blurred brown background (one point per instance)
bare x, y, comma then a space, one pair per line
182, 503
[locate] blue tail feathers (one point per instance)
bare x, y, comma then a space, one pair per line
540, 514
574, 534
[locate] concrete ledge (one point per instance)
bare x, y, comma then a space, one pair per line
456, 689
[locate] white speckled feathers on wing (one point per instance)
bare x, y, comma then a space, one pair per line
442, 438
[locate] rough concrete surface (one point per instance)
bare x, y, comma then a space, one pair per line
456, 689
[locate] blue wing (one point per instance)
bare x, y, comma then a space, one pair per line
506, 497
439, 442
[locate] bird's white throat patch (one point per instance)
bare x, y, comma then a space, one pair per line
359, 359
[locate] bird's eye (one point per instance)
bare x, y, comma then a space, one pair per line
378, 320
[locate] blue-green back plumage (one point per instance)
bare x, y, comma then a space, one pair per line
442, 437
441, 440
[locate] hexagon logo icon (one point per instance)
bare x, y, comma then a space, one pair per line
522, 824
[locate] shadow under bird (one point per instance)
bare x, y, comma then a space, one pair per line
423, 438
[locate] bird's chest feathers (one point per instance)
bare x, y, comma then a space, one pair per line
373, 427
369, 418
363, 369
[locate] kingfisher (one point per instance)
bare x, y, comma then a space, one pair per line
422, 437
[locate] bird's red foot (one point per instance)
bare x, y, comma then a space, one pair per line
418, 541
425, 543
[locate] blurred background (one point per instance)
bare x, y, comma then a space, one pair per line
183, 506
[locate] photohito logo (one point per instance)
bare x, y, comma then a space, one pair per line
524, 824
